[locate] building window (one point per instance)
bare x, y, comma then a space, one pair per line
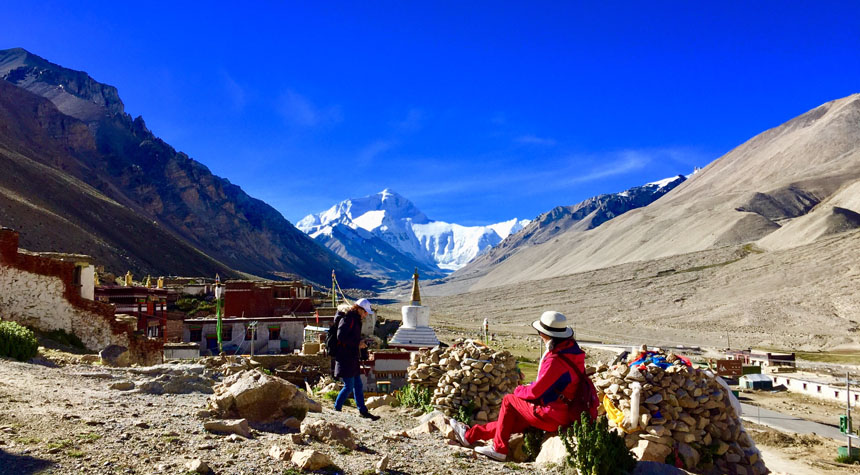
196, 335
819, 388
804, 386
787, 381
835, 393
275, 333
226, 332
855, 398
212, 343
249, 334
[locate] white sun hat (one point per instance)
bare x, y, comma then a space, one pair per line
365, 304
553, 324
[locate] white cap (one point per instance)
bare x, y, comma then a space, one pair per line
365, 304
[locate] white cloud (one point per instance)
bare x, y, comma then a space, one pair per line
299, 110
370, 152
235, 92
530, 139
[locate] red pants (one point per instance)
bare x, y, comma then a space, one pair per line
515, 416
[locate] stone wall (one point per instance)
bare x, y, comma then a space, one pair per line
40, 292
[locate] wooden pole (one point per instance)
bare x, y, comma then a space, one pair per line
848, 408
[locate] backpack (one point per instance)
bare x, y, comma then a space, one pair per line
331, 337
585, 399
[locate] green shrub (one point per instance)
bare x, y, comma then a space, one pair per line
464, 413
17, 341
415, 396
593, 450
532, 441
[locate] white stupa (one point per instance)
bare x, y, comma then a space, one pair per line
415, 331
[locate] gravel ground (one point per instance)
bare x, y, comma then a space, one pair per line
66, 420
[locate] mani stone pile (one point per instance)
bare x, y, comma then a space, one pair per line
683, 411
467, 372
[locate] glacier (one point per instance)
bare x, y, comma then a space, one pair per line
437, 247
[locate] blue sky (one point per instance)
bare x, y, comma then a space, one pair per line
477, 113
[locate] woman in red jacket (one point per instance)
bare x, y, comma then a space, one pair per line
542, 404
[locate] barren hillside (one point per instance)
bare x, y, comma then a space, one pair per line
803, 298
754, 190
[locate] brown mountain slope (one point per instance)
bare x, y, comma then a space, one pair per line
747, 194
125, 162
54, 211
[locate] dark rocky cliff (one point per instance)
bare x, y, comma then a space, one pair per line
105, 148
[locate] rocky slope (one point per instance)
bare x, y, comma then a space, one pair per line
86, 138
784, 184
386, 234
580, 217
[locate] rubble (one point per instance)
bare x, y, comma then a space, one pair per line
467, 373
311, 460
330, 432
229, 426
260, 398
679, 409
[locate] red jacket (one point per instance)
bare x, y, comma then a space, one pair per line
556, 378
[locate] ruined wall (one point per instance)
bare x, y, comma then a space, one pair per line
40, 292
38, 301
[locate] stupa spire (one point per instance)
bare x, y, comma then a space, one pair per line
416, 294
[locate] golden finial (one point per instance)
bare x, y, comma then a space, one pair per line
128, 281
416, 295
160, 282
148, 283
96, 281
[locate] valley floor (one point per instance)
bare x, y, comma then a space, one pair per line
64, 420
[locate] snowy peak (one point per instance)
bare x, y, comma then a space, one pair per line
387, 217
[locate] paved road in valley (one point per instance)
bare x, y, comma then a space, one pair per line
788, 423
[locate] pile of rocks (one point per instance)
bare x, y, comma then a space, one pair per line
466, 373
680, 410
327, 384
260, 398
228, 364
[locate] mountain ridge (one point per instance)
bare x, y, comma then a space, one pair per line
126, 162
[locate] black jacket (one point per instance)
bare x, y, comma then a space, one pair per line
348, 337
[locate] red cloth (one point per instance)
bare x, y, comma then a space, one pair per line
556, 378
515, 416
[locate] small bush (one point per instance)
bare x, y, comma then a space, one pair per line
17, 341
596, 450
415, 396
464, 413
532, 441
847, 458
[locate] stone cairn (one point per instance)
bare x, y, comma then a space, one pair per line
683, 411
466, 372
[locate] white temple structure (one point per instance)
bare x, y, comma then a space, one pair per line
415, 331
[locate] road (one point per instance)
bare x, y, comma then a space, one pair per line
788, 423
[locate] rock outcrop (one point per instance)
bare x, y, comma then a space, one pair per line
259, 398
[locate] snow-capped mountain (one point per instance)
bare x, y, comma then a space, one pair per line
386, 234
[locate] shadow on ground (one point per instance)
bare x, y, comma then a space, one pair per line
22, 464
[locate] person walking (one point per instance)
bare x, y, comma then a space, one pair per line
349, 346
544, 404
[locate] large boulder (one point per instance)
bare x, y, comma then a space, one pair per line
260, 398
552, 453
330, 432
235, 426
311, 460
651, 451
115, 355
